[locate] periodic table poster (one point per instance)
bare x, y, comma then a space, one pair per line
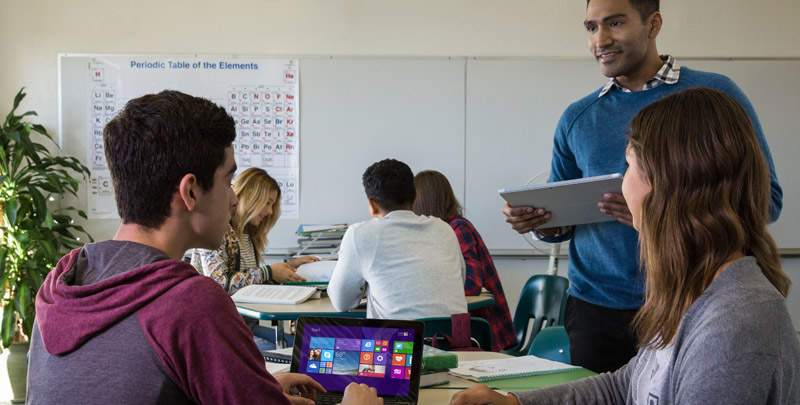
261, 94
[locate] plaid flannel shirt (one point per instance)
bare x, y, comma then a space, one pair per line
482, 273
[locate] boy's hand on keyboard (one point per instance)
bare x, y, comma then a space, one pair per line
360, 394
302, 383
285, 273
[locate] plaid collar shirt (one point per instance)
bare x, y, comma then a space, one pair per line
481, 273
668, 74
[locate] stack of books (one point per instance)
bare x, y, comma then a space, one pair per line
436, 364
318, 239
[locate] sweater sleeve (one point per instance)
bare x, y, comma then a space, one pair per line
206, 348
564, 165
776, 192
347, 284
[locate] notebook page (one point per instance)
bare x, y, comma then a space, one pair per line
485, 370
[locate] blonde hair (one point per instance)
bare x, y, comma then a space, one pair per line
252, 188
709, 202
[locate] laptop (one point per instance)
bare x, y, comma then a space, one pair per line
382, 353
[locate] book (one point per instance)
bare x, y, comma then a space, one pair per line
273, 294
433, 377
322, 238
437, 359
319, 285
496, 369
314, 230
279, 355
328, 243
294, 251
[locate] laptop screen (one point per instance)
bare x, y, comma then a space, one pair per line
384, 354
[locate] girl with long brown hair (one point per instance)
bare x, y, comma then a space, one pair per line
435, 198
714, 327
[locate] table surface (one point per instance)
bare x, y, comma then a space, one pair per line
443, 393
324, 307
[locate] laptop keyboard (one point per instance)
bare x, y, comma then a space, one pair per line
327, 399
333, 399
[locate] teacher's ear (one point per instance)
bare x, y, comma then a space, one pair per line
655, 25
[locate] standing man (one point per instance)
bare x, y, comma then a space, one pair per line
606, 286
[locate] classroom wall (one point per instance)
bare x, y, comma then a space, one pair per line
33, 32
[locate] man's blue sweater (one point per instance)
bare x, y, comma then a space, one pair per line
590, 140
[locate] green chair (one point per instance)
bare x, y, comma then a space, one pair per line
480, 331
551, 343
542, 300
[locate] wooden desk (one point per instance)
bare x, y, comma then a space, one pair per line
443, 393
322, 307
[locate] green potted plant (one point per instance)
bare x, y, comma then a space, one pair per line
34, 232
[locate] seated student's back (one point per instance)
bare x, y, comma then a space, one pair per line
412, 264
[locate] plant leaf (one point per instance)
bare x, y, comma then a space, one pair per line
48, 220
10, 209
8, 323
18, 98
23, 298
49, 249
35, 278
3, 255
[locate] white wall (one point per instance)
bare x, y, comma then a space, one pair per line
33, 32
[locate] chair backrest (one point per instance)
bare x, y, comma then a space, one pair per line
480, 331
551, 343
542, 300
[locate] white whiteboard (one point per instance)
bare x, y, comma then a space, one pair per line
485, 123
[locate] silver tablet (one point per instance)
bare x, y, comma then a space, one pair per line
570, 202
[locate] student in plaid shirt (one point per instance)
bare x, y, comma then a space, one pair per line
435, 198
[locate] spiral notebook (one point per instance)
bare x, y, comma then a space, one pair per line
497, 369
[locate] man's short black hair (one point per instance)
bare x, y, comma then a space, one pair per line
644, 7
390, 183
155, 141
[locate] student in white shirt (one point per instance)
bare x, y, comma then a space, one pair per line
412, 263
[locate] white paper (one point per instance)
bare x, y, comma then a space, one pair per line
495, 369
317, 271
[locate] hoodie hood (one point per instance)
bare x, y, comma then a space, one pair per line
69, 315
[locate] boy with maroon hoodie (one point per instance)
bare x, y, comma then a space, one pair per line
124, 320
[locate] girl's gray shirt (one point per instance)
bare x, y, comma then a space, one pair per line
735, 345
